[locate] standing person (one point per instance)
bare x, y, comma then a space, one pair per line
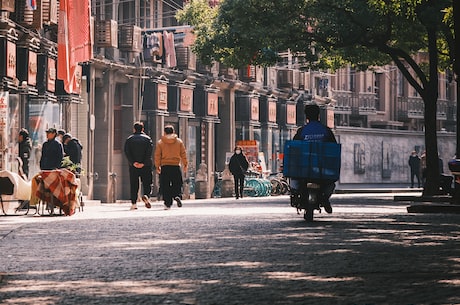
414, 164
60, 135
25, 147
72, 149
138, 149
52, 151
314, 131
170, 154
238, 166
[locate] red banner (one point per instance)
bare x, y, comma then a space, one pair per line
74, 41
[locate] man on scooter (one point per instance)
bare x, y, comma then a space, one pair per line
314, 131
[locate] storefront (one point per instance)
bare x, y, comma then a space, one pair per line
269, 132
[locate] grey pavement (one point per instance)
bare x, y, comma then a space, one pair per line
223, 251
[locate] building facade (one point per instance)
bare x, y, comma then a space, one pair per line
143, 69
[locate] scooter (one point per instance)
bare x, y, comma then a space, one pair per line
310, 204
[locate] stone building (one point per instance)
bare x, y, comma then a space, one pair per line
143, 69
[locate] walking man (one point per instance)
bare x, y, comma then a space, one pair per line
138, 149
170, 154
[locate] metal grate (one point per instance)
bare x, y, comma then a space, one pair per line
105, 35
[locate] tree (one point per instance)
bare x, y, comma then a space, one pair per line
332, 33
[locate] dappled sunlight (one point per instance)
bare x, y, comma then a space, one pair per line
102, 288
50, 300
146, 244
300, 276
242, 264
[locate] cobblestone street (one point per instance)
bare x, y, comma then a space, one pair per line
223, 251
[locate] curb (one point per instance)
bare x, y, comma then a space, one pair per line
434, 208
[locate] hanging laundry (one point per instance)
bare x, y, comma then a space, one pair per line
170, 51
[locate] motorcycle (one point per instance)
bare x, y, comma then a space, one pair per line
308, 205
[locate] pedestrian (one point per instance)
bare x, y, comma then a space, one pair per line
25, 147
170, 154
60, 135
72, 149
52, 151
423, 167
238, 165
414, 164
138, 150
315, 131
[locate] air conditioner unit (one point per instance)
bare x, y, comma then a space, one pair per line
105, 34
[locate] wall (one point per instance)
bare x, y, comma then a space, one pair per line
380, 157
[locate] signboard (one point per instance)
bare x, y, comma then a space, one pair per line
32, 69
213, 108
51, 75
162, 97
186, 99
272, 111
250, 150
254, 109
10, 59
3, 129
290, 114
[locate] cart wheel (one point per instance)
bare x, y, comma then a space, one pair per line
308, 214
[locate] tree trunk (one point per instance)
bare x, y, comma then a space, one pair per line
432, 160
430, 99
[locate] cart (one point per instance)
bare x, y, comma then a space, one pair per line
15, 193
54, 189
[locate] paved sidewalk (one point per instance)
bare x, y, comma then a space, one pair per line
223, 251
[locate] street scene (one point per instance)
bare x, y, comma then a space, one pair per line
214, 152
370, 250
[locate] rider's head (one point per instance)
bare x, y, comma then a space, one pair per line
311, 112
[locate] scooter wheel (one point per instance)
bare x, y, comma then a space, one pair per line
308, 215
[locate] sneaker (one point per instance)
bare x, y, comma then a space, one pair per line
145, 198
179, 202
167, 207
133, 206
327, 206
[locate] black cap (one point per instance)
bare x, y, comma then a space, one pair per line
51, 130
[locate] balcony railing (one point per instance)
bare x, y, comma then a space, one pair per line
347, 102
414, 108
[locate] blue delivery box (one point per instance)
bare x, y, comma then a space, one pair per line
314, 161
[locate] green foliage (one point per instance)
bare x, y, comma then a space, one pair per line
68, 164
321, 33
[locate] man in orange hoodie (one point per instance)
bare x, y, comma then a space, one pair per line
170, 154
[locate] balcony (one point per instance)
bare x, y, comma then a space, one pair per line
105, 34
347, 102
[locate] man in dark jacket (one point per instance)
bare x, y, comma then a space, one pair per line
314, 131
414, 164
52, 151
72, 148
138, 149
25, 147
